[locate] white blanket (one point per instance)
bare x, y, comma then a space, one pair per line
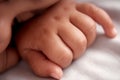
100, 62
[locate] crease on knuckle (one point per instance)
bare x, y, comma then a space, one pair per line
66, 59
82, 43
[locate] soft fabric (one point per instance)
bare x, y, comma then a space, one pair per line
101, 61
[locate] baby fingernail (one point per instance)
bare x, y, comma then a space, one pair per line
114, 31
55, 76
56, 73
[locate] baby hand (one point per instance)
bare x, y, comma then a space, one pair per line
50, 42
8, 11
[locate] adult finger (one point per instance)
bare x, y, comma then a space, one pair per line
8, 59
19, 6
5, 36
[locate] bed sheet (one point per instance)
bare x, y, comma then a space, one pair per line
101, 61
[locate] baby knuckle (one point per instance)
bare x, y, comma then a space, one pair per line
92, 27
80, 47
91, 23
92, 32
82, 40
66, 59
82, 43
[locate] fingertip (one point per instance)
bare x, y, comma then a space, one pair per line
112, 33
100, 16
57, 73
42, 66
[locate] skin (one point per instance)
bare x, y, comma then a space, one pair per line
51, 41
8, 55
